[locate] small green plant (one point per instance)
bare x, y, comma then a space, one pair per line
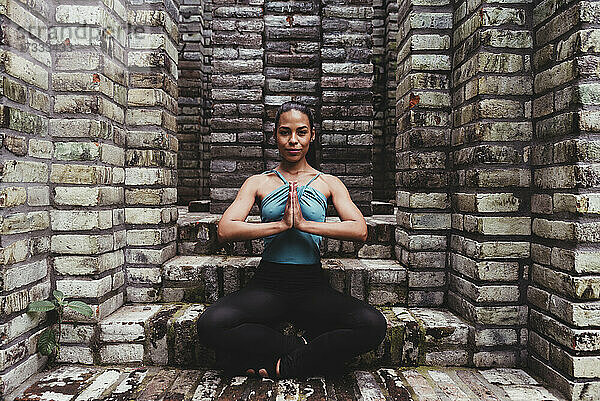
48, 343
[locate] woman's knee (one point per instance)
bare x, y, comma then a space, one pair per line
375, 325
211, 323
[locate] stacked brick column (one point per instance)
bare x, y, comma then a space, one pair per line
292, 64
385, 30
379, 100
25, 163
564, 294
389, 124
237, 99
89, 87
423, 110
347, 100
151, 156
193, 158
489, 246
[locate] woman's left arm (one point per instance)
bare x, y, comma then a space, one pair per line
352, 226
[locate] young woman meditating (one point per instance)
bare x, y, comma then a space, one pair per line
289, 284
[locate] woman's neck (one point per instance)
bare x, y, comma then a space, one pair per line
294, 168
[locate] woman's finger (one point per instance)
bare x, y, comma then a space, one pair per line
296, 204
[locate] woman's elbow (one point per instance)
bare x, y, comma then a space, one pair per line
221, 237
364, 234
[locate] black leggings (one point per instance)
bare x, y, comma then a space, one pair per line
337, 326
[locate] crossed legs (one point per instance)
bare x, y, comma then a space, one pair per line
238, 325
340, 327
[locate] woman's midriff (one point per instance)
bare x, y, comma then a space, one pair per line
288, 278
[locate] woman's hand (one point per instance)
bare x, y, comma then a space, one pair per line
288, 213
299, 220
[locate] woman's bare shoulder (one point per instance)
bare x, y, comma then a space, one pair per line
258, 183
256, 180
331, 179
333, 183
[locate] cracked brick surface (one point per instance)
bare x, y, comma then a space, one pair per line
78, 383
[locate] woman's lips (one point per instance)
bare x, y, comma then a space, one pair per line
293, 151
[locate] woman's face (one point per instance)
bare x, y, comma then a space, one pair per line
293, 135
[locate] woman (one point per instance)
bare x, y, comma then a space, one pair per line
289, 284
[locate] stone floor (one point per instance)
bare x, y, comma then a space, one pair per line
152, 383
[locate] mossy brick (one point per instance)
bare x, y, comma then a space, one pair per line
150, 256
23, 121
237, 12
84, 288
23, 274
221, 38
24, 222
74, 220
347, 12
485, 270
570, 338
13, 90
156, 347
555, 76
80, 174
87, 265
76, 151
82, 244
23, 69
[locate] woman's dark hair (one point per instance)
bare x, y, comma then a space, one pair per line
287, 106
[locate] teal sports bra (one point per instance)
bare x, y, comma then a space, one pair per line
293, 246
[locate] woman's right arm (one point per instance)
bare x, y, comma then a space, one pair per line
233, 227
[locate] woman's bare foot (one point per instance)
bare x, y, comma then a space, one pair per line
250, 371
263, 372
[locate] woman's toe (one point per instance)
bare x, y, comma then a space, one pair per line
263, 373
250, 371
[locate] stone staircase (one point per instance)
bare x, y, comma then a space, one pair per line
163, 333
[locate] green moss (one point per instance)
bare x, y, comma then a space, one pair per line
421, 344
396, 336
194, 294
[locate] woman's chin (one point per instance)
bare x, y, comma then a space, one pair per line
292, 158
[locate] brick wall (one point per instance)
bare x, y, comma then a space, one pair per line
151, 156
89, 89
388, 169
266, 53
423, 110
237, 99
193, 157
25, 163
489, 247
385, 29
347, 101
564, 339
484, 115
379, 100
88, 150
292, 65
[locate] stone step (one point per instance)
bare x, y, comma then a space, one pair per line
207, 278
112, 383
165, 335
197, 235
380, 207
199, 206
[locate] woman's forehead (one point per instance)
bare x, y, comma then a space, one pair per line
293, 117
